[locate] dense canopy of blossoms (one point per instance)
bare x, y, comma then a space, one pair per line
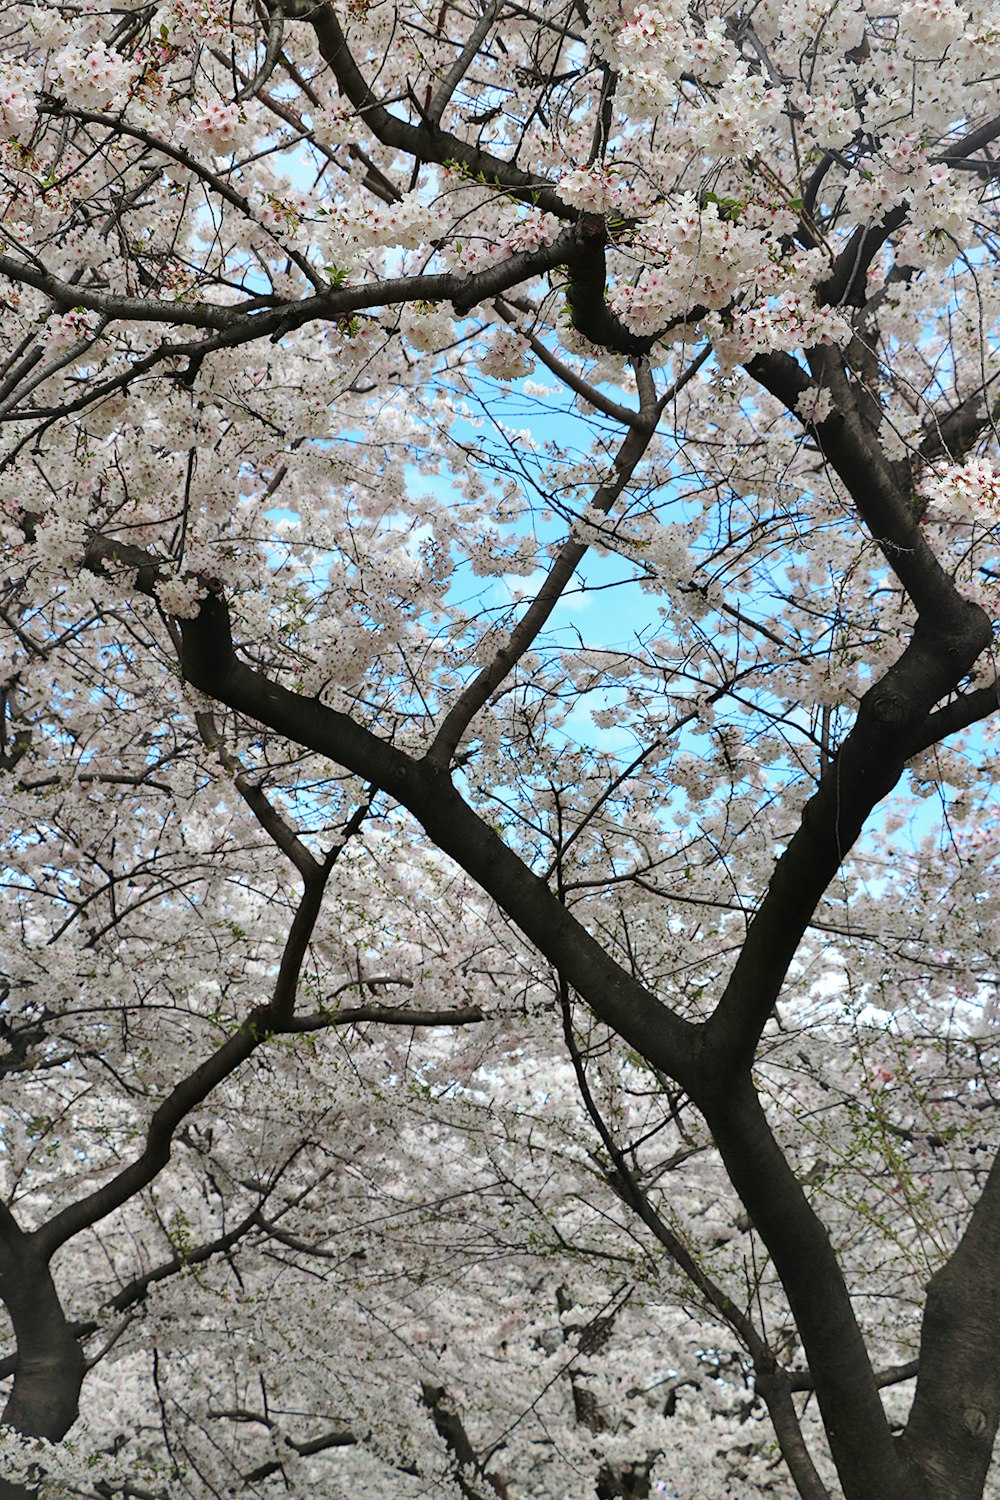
499, 509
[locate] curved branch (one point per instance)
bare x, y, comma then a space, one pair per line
50, 1365
949, 635
259, 1026
210, 664
339, 1437
976, 140
954, 433
574, 382
445, 91
868, 1464
865, 769
277, 828
845, 286
451, 1430
262, 318
272, 51
424, 142
385, 1015
586, 296
961, 713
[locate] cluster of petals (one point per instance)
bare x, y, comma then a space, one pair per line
966, 492
734, 117
595, 189
930, 26
18, 110
508, 235
815, 404
785, 323
833, 119
710, 52
427, 326
92, 78
180, 597
218, 126
196, 21
942, 210
652, 29
530, 233
506, 356
728, 258
64, 330
406, 224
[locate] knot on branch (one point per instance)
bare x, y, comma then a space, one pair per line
890, 710
974, 1420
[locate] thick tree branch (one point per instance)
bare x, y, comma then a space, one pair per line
259, 1026
446, 89
135, 1291
949, 635
211, 664
569, 378
771, 1380
956, 1410
50, 1365
425, 142
385, 1015
449, 1427
955, 433
976, 140
867, 1462
339, 1437
845, 286
848, 442
801, 1380
265, 317
866, 768
586, 293
964, 710
276, 1017
277, 827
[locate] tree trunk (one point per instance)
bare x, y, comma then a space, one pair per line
44, 1399
956, 1410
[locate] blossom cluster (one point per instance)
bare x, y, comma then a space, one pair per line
728, 258
969, 491
506, 355
18, 108
931, 26
94, 77
216, 125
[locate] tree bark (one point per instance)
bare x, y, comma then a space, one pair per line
956, 1410
869, 1464
44, 1399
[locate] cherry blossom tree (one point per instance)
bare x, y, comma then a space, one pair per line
500, 509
